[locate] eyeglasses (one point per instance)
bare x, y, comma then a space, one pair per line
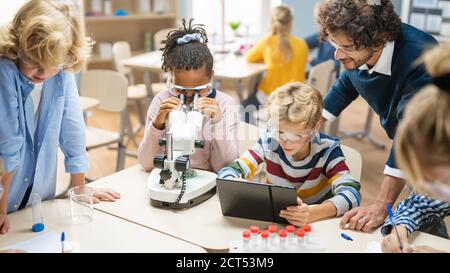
178, 89
349, 49
289, 136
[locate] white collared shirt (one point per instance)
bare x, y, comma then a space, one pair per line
384, 63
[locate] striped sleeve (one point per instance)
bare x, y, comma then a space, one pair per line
344, 186
247, 165
415, 211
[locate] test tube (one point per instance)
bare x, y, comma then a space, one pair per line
283, 234
272, 234
308, 230
38, 224
300, 238
246, 240
264, 239
290, 234
254, 230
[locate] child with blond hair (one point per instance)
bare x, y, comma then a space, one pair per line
297, 155
39, 104
423, 153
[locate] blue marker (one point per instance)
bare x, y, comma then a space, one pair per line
391, 217
63, 238
346, 237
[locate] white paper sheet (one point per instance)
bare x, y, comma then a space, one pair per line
49, 242
373, 247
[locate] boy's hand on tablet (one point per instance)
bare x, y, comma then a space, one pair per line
296, 215
164, 110
209, 107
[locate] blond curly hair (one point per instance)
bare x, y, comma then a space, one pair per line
49, 33
296, 102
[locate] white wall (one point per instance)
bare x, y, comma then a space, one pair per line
304, 23
8, 9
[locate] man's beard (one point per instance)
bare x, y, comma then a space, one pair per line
360, 62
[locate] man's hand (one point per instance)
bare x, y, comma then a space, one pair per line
364, 219
371, 217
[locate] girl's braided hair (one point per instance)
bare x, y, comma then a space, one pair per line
192, 54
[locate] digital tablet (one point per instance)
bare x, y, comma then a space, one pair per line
254, 200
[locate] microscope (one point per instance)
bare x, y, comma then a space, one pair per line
168, 184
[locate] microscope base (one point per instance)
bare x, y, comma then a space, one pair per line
198, 189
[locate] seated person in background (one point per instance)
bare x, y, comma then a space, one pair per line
423, 152
189, 61
297, 155
285, 55
325, 51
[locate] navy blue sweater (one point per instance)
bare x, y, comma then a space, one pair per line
387, 95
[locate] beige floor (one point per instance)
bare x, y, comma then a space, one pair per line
102, 160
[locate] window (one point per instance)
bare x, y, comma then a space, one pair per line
253, 16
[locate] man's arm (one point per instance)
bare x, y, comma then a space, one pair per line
341, 94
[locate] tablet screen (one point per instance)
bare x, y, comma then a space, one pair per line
254, 200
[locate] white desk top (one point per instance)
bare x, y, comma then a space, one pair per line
105, 233
205, 225
226, 66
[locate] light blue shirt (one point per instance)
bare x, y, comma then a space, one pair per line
31, 153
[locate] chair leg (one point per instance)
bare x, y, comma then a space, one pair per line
130, 131
121, 157
367, 132
121, 151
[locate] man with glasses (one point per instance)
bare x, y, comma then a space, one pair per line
379, 55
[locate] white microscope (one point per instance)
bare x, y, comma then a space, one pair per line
167, 183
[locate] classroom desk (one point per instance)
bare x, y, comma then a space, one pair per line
106, 233
204, 225
226, 67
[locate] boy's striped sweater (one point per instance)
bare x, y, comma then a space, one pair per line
321, 176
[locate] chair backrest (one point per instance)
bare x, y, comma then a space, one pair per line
160, 36
121, 51
248, 134
353, 160
109, 87
321, 76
